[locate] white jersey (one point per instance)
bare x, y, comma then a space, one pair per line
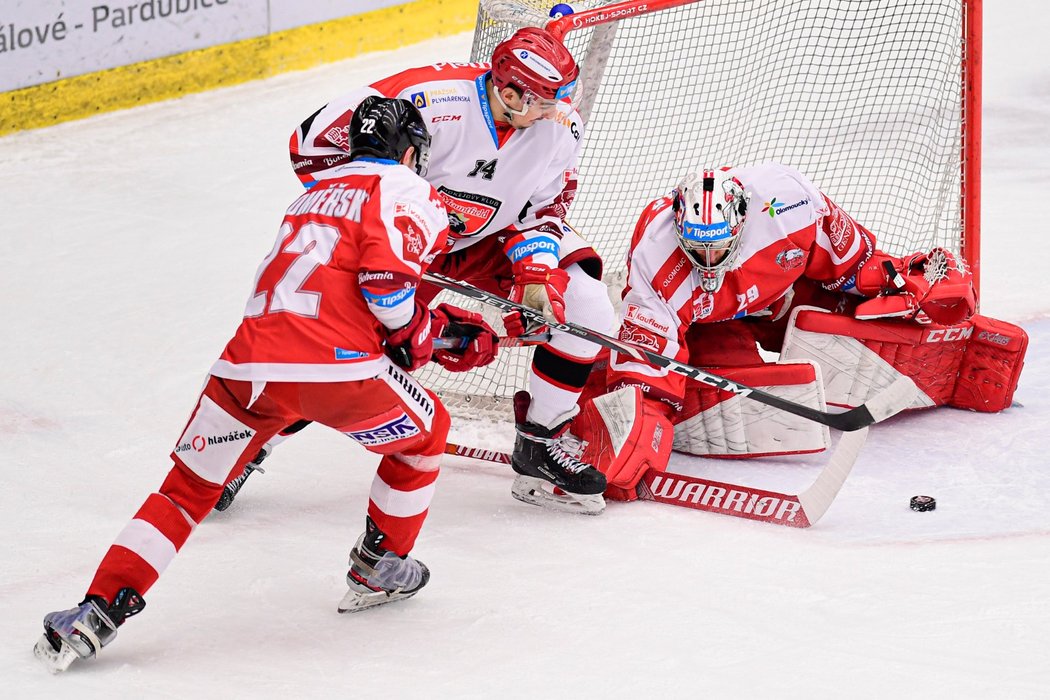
494, 178
792, 230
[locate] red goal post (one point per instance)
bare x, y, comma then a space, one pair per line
877, 101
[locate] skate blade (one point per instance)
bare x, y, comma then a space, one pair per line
54, 661
538, 492
355, 601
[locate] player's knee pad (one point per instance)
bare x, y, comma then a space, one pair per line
626, 435
974, 364
717, 423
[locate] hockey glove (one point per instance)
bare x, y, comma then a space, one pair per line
482, 341
411, 346
932, 286
538, 287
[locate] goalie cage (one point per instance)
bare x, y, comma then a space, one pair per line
878, 102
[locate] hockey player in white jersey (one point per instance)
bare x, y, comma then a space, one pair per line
714, 271
506, 141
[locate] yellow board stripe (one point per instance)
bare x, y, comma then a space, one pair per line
229, 64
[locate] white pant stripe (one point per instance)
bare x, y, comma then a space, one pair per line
148, 542
400, 504
421, 463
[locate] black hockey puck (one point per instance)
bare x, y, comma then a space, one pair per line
923, 503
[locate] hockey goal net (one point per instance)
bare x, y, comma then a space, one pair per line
877, 101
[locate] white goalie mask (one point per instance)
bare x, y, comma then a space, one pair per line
710, 207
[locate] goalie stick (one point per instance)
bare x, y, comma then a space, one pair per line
881, 407
801, 510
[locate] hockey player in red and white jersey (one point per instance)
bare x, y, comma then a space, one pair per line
506, 140
714, 271
331, 329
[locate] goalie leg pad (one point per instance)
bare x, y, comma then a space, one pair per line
626, 435
991, 367
717, 423
973, 365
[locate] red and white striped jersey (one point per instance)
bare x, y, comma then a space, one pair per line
495, 178
792, 230
347, 260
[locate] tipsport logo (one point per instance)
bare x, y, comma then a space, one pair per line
773, 207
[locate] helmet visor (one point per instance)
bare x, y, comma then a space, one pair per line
530, 99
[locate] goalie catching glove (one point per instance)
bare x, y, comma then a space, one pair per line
932, 286
538, 287
481, 341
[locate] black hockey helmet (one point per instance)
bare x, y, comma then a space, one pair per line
384, 127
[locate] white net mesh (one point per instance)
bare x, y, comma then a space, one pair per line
863, 96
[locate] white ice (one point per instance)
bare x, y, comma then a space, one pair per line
127, 250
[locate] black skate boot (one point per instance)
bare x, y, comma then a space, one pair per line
549, 473
81, 632
377, 575
230, 490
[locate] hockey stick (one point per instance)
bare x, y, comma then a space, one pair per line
459, 343
801, 510
881, 407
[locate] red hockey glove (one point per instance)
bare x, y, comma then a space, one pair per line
411, 346
454, 322
538, 287
932, 286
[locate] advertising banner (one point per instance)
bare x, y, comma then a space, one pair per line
46, 40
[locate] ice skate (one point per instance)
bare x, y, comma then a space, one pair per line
550, 475
81, 632
378, 576
230, 490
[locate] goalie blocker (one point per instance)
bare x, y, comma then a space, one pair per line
627, 433
973, 365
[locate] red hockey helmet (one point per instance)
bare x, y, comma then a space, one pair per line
533, 61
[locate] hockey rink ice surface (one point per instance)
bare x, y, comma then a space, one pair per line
129, 243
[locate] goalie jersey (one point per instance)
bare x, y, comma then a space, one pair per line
493, 179
792, 230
